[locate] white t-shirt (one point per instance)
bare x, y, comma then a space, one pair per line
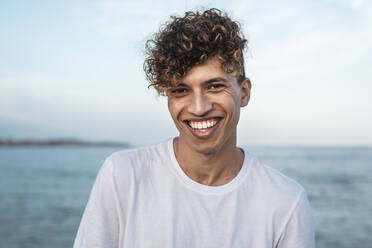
142, 198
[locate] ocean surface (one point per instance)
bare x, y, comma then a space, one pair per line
44, 190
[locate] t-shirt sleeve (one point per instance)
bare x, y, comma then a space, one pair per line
99, 226
299, 230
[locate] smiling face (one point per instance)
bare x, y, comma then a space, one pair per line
205, 106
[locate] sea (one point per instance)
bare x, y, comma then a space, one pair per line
44, 190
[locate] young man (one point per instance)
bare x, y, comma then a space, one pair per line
198, 189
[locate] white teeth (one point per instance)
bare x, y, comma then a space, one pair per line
202, 124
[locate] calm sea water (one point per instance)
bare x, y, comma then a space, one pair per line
43, 191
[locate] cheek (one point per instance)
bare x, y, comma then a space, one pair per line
230, 102
174, 108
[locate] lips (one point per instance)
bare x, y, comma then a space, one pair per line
203, 128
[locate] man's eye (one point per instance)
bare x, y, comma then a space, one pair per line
178, 91
216, 86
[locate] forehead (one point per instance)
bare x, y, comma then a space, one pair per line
212, 68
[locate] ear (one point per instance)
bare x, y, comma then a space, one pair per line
245, 88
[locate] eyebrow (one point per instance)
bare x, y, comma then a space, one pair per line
216, 79
211, 80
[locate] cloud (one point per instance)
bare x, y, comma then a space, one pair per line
134, 19
308, 72
309, 64
357, 3
73, 109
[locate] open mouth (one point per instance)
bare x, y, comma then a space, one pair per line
204, 124
203, 128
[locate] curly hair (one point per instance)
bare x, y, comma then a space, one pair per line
191, 40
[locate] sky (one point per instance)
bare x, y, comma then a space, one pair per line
74, 69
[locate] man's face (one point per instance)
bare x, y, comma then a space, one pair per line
205, 106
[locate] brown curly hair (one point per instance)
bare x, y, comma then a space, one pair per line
191, 40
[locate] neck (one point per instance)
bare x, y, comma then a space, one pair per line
214, 168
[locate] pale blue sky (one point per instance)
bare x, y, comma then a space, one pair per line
74, 68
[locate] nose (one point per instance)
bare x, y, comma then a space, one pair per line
199, 104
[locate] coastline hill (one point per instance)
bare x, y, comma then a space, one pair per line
60, 142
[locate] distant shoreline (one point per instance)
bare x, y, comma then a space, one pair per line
61, 142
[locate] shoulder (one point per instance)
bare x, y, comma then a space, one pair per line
145, 154
137, 161
285, 204
276, 194
274, 184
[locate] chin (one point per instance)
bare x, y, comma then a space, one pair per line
206, 148
206, 151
